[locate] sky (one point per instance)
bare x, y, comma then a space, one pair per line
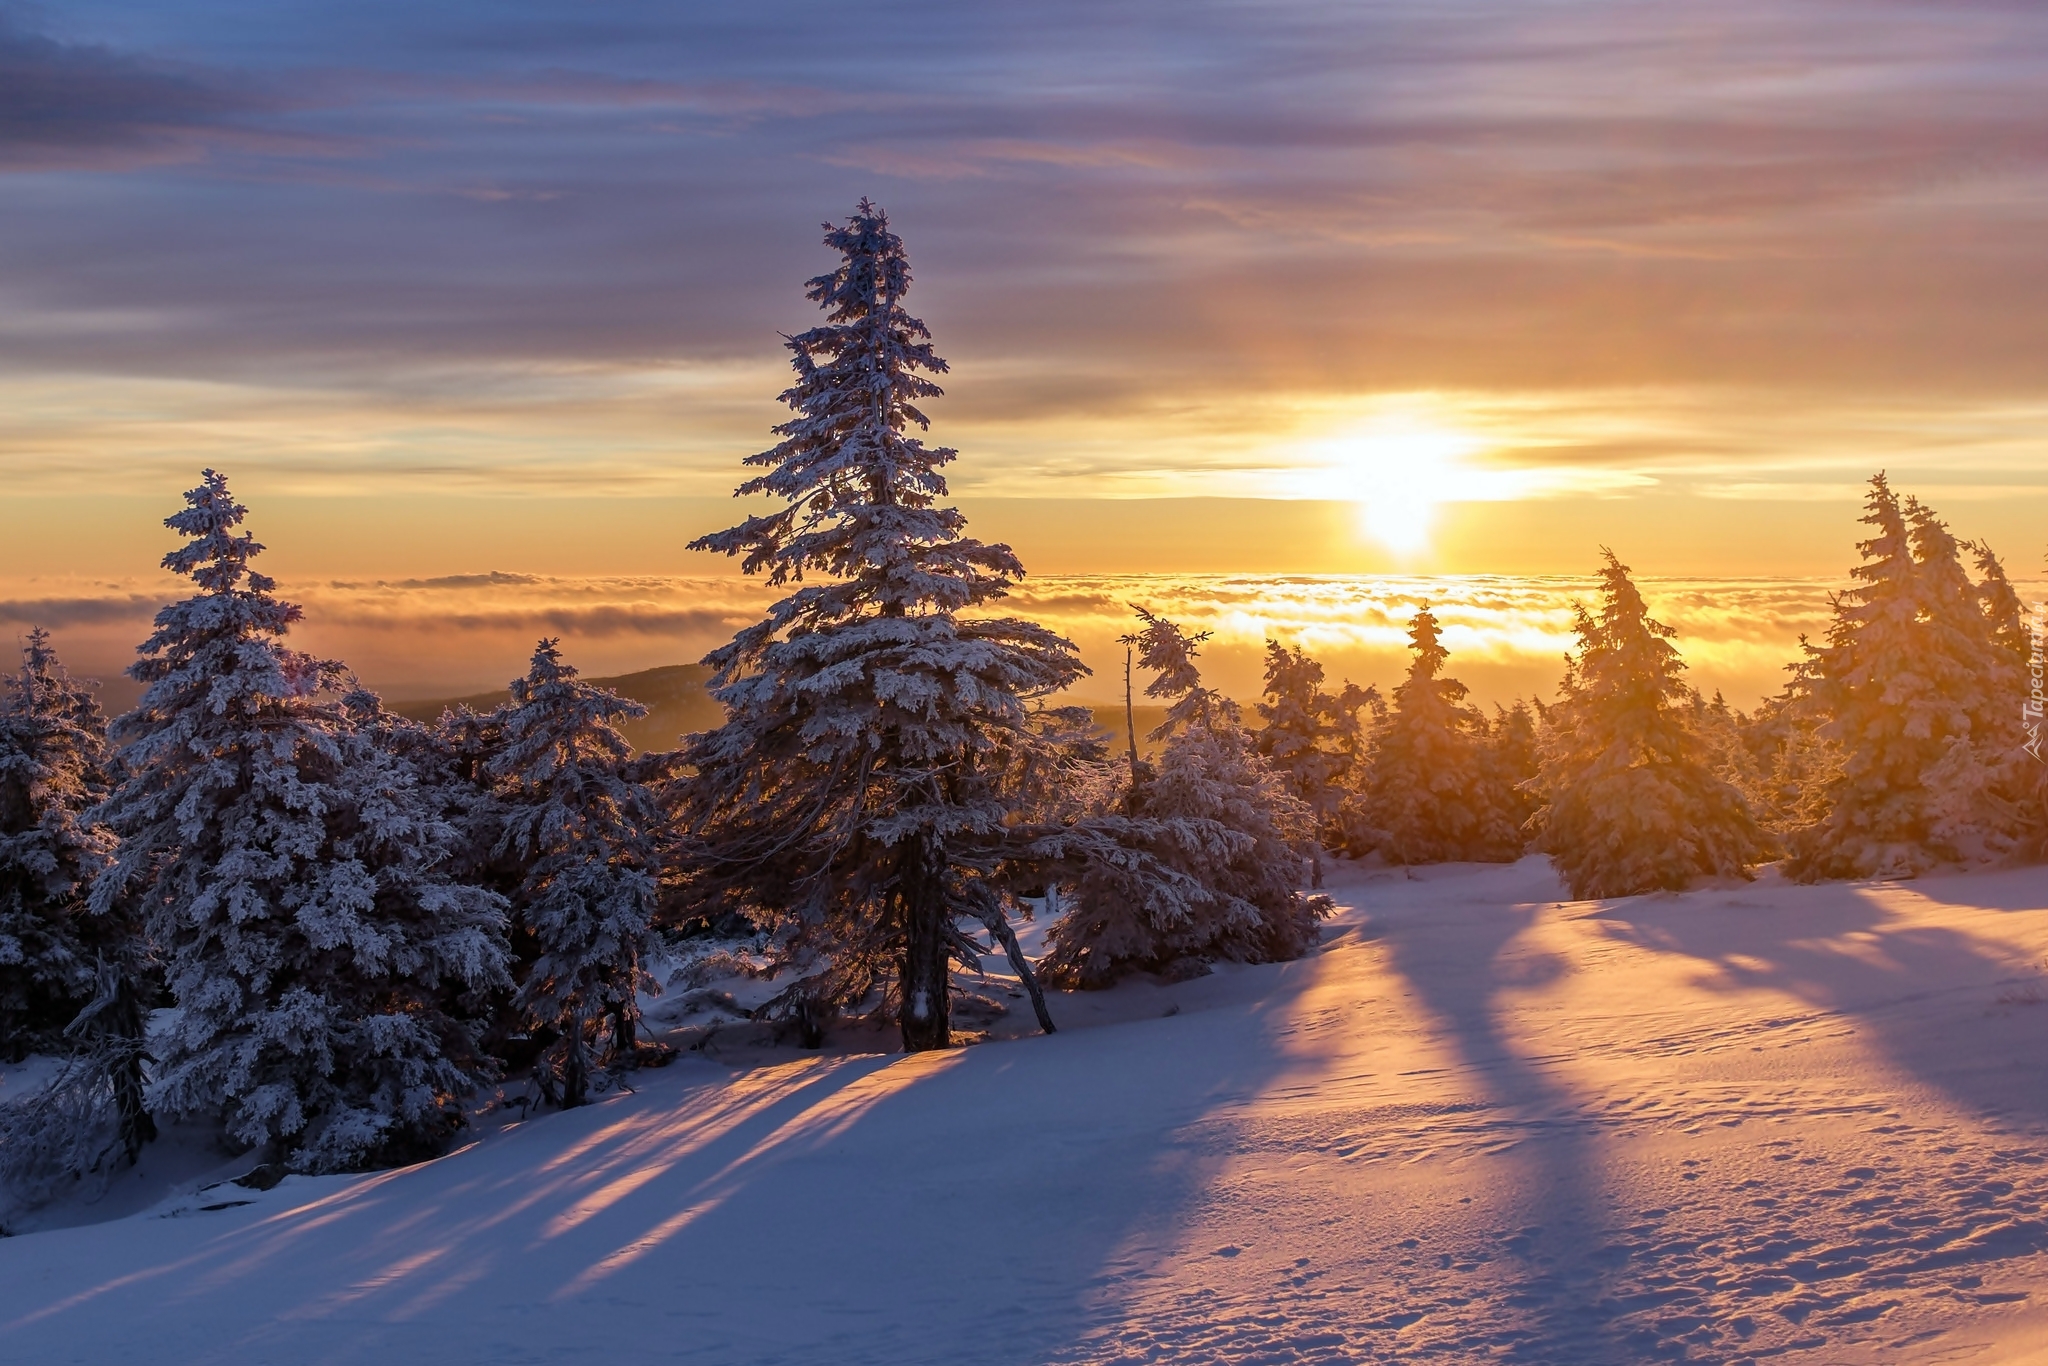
1465, 287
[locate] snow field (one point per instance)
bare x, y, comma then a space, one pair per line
1759, 1122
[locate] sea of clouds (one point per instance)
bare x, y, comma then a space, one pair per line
1508, 635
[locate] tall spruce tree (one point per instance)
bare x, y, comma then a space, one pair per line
289, 876
579, 834
866, 715
1910, 672
1430, 794
53, 768
1631, 803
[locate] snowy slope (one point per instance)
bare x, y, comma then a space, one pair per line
1808, 1124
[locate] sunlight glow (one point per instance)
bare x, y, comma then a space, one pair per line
1400, 468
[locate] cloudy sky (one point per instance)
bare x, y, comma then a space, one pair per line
1496, 281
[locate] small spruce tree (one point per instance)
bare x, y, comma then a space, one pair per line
1724, 731
72, 981
579, 833
2031, 787
2005, 616
53, 768
1795, 762
1430, 794
1301, 736
1203, 859
1513, 755
1358, 715
1631, 803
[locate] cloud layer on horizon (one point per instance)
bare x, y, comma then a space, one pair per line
458, 634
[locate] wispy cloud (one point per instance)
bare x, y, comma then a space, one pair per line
548, 247
89, 106
56, 613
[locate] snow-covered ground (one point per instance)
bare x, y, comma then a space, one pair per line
1481, 1123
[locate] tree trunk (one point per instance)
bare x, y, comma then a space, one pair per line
626, 1034
114, 1029
926, 983
128, 1027
1130, 718
1007, 937
810, 1023
575, 1065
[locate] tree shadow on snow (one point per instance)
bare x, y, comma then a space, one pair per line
954, 1207
1484, 1276
1014, 1203
1547, 1277
1960, 1012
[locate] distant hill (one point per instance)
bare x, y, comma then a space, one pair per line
677, 704
673, 694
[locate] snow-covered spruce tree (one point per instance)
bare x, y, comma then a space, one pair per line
1168, 653
53, 768
1359, 711
446, 777
1975, 785
578, 835
1992, 789
1794, 762
1429, 794
1303, 732
1910, 670
288, 874
2004, 614
1205, 858
1513, 755
1358, 715
1630, 800
71, 981
1996, 802
2032, 786
465, 821
1724, 732
842, 803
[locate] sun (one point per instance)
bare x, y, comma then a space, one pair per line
1400, 468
